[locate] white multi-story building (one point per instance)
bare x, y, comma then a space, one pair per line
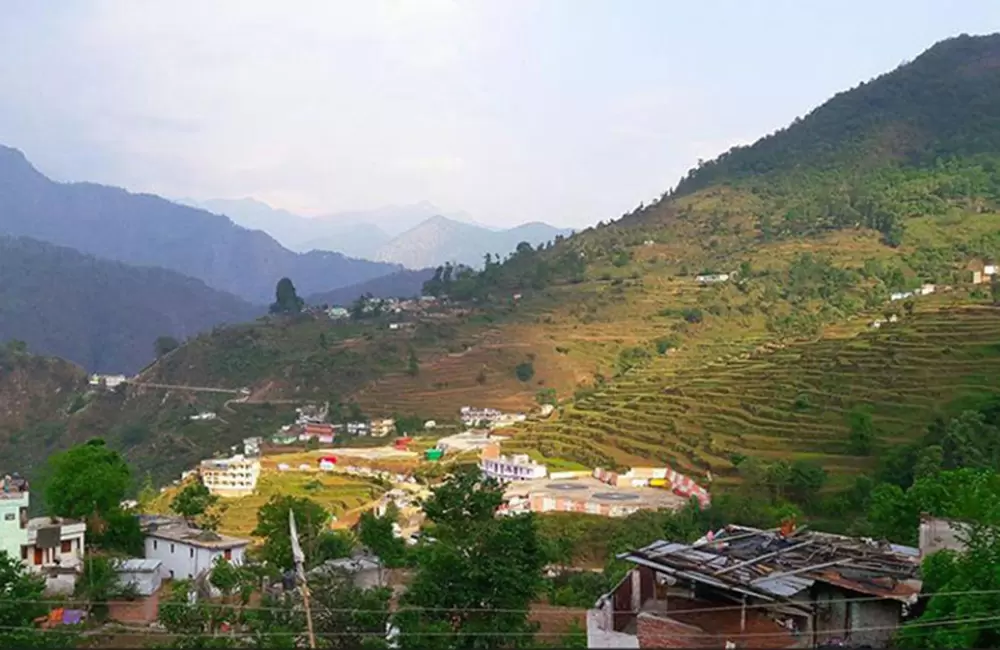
518, 467
50, 546
186, 552
230, 477
14, 501
359, 428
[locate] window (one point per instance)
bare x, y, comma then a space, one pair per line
24, 552
154, 544
66, 546
24, 517
191, 552
171, 548
9, 516
228, 554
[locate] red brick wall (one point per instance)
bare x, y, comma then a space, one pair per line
140, 610
662, 632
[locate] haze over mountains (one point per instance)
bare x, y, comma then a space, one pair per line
148, 230
417, 236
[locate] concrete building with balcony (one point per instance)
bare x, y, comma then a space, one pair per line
518, 467
50, 546
230, 477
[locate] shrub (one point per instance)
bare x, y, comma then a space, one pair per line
525, 371
693, 315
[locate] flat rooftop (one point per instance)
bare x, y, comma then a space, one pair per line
590, 489
179, 531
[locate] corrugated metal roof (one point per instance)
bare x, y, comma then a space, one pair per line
767, 564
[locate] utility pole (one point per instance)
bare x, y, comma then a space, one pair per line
300, 571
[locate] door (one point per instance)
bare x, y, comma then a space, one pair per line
38, 555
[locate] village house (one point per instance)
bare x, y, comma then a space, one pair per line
251, 446
744, 587
487, 417
382, 427
204, 416
474, 416
50, 546
338, 313
900, 295
186, 552
322, 432
940, 534
144, 577
712, 278
109, 382
230, 477
518, 467
358, 428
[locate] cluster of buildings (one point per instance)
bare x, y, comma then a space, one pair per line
657, 477
924, 290
372, 305
326, 432
487, 418
54, 548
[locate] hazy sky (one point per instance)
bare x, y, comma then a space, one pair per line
567, 111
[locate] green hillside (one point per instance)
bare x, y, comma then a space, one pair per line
882, 189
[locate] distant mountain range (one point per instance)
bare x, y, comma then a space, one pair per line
147, 230
416, 236
102, 315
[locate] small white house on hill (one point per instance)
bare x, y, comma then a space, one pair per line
185, 552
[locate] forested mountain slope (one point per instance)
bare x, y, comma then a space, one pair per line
102, 315
147, 230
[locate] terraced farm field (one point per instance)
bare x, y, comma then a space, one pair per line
338, 494
785, 402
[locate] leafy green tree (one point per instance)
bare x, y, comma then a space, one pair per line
100, 583
475, 582
165, 345
862, 436
970, 441
286, 301
806, 479
193, 501
963, 588
89, 482
413, 364
312, 522
377, 534
23, 600
147, 495
524, 371
86, 480
346, 616
547, 396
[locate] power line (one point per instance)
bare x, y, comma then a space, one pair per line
738, 636
541, 608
